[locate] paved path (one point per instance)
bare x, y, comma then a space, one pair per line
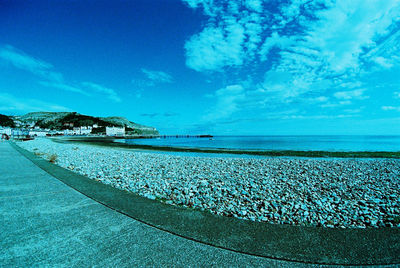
44, 222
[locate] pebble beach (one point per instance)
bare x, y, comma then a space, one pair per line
334, 193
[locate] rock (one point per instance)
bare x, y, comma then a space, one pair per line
325, 192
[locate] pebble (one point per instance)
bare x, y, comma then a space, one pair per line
334, 193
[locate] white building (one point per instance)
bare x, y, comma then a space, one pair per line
68, 132
38, 132
115, 131
86, 130
19, 132
6, 131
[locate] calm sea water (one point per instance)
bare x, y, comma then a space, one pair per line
306, 143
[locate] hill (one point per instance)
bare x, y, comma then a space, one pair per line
6, 121
68, 120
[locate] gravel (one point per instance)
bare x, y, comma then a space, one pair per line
336, 193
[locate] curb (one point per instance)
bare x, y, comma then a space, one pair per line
303, 244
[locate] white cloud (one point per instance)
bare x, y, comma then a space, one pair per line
157, 76
386, 63
111, 94
391, 108
397, 94
275, 40
385, 53
353, 111
256, 5
335, 104
230, 38
352, 94
63, 86
50, 78
12, 104
25, 62
215, 48
227, 102
319, 45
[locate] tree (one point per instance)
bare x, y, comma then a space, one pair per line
6, 121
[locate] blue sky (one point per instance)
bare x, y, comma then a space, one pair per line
247, 67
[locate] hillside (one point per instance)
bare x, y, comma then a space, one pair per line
6, 121
67, 120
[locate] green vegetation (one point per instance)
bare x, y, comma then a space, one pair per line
6, 121
53, 158
71, 120
68, 120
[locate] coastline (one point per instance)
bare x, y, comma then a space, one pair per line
301, 244
343, 193
113, 143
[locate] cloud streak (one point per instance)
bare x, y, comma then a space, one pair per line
305, 50
63, 86
50, 78
10, 103
110, 93
166, 114
391, 108
25, 62
157, 76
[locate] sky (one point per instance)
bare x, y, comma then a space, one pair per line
244, 67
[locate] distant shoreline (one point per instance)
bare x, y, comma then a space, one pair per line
110, 142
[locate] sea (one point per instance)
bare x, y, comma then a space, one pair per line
298, 143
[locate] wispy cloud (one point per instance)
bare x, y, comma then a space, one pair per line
302, 46
166, 114
157, 76
227, 102
151, 115
49, 77
12, 104
397, 94
63, 86
25, 62
352, 94
110, 93
152, 78
391, 108
231, 36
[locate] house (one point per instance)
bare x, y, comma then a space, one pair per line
76, 131
19, 133
6, 131
68, 124
68, 132
37, 133
115, 131
86, 130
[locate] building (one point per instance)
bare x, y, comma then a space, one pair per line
38, 133
6, 131
68, 124
115, 131
68, 132
86, 130
19, 133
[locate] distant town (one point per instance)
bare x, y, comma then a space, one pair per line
21, 132
45, 124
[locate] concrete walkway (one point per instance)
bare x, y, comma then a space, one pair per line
44, 222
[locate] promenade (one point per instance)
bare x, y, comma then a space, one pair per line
46, 223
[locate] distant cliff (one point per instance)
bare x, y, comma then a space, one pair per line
68, 120
6, 121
